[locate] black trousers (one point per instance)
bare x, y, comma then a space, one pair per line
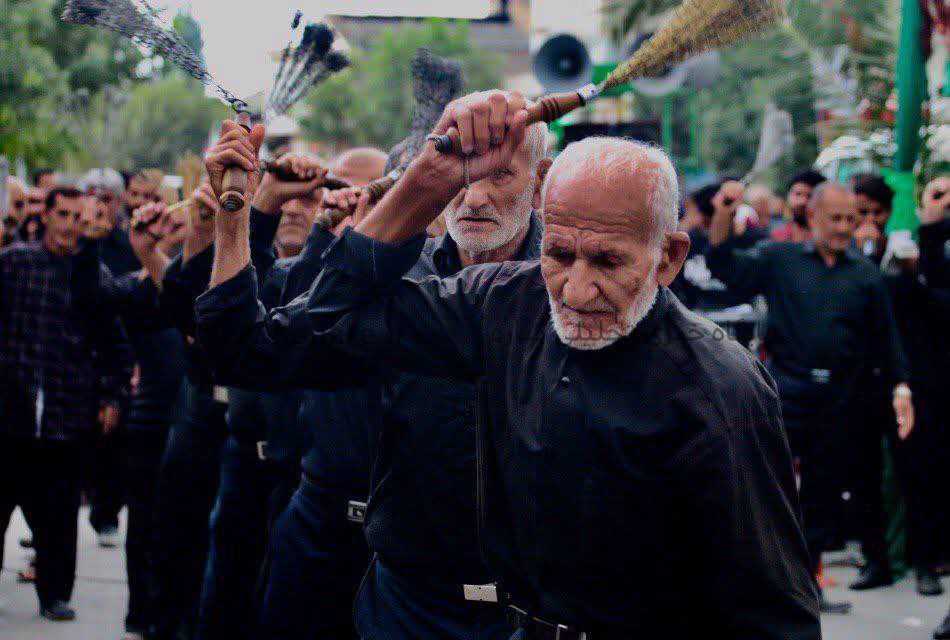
44, 478
251, 494
317, 561
144, 448
921, 478
106, 483
188, 483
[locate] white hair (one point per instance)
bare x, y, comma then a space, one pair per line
536, 139
510, 223
608, 157
104, 179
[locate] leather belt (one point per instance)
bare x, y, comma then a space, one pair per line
538, 629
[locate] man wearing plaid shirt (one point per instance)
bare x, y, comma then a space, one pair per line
65, 367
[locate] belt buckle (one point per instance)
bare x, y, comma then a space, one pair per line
480, 592
262, 450
562, 628
356, 511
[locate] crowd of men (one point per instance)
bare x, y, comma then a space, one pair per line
488, 404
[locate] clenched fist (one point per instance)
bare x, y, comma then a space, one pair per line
237, 147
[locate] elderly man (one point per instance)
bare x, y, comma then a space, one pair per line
110, 232
935, 271
64, 367
830, 317
423, 472
15, 210
31, 224
621, 443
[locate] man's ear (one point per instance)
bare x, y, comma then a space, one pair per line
542, 173
675, 249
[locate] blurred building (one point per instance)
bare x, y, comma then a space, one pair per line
505, 29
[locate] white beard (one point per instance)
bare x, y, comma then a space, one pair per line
509, 227
571, 334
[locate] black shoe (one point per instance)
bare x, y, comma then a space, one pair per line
58, 611
943, 631
833, 608
26, 543
872, 576
928, 584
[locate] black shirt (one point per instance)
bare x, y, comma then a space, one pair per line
59, 358
421, 512
834, 319
604, 476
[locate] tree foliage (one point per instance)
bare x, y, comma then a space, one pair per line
71, 95
153, 125
371, 102
780, 67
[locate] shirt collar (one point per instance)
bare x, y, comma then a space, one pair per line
849, 254
446, 255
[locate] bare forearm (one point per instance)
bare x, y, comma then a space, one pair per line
428, 185
232, 246
155, 264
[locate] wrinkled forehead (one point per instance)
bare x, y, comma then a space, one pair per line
614, 200
836, 200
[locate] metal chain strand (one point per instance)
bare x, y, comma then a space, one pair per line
140, 22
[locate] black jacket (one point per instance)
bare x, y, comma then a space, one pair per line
604, 476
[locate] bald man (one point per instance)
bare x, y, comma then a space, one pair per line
829, 316
620, 444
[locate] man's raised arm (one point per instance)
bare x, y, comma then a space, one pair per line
247, 345
360, 303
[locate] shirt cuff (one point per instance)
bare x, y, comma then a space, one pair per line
318, 242
263, 228
371, 261
196, 271
235, 296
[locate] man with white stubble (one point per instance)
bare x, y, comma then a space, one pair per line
633, 465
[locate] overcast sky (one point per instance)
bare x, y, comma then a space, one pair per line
239, 34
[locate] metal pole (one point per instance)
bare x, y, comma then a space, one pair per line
911, 87
911, 91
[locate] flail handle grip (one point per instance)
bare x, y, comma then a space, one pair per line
547, 109
286, 175
234, 186
378, 188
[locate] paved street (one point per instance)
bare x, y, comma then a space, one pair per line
891, 614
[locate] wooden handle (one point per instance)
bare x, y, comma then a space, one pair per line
233, 186
286, 175
328, 219
547, 109
234, 182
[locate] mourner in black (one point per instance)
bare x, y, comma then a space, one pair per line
424, 473
918, 473
65, 368
935, 273
612, 458
830, 321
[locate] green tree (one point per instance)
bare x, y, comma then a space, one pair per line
156, 125
780, 67
371, 102
46, 67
